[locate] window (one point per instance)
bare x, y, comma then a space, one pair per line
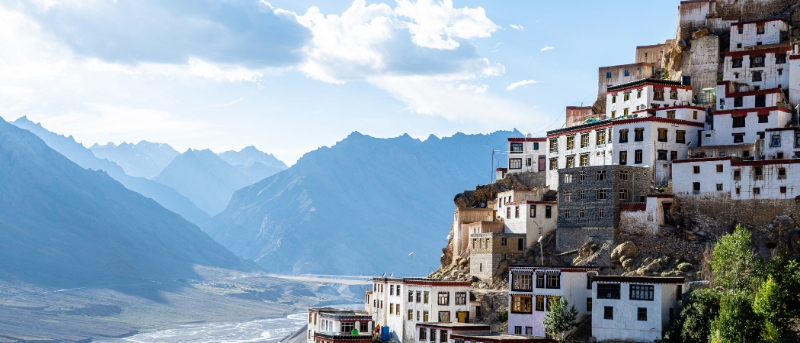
580, 213
410, 296
410, 314
662, 135
570, 142
673, 155
503, 241
637, 157
584, 160
461, 298
540, 303
567, 196
673, 94
759, 173
444, 317
625, 112
738, 121
642, 292
614, 99
737, 62
554, 163
627, 72
694, 115
737, 174
391, 290
738, 190
391, 308
658, 94
775, 141
613, 114
662, 155
623, 136
757, 76
539, 280
623, 158
508, 212
424, 316
588, 304
518, 330
680, 136
608, 74
521, 303
756, 61
608, 312
639, 134
781, 173
756, 190
533, 211
626, 96
548, 211
528, 330
671, 114
783, 189
761, 100
516, 211
425, 298
423, 334
516, 148
780, 59
738, 137
514, 163
347, 327
719, 168
760, 29
738, 101
600, 212
535, 145
741, 29
696, 187
641, 314
763, 118
623, 194
553, 144
581, 175
567, 178
529, 162
570, 161
522, 282
419, 294
719, 187
566, 213
696, 169
601, 175
444, 298
600, 137
600, 194
608, 291
585, 140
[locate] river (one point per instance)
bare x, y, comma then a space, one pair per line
262, 330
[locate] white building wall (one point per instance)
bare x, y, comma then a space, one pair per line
531, 226
774, 75
750, 37
769, 184
616, 109
794, 77
723, 126
708, 177
625, 325
529, 158
784, 140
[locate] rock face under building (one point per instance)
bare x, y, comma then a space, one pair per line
590, 200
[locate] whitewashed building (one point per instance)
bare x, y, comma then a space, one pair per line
401, 303
326, 323
443, 332
634, 308
738, 179
526, 154
532, 288
755, 33
527, 212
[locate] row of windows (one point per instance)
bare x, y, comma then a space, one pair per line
548, 211
581, 213
760, 101
663, 136
524, 303
524, 282
641, 313
637, 292
658, 94
517, 148
757, 60
599, 194
720, 187
443, 334
516, 163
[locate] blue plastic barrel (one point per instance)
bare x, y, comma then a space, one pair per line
384, 333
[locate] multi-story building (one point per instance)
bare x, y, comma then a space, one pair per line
527, 212
401, 303
470, 220
326, 324
526, 154
443, 332
621, 74
531, 289
497, 337
489, 250
634, 308
590, 200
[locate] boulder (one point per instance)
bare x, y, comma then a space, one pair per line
627, 249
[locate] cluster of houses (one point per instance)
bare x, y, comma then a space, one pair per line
653, 139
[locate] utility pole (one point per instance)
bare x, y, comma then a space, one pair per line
541, 249
411, 263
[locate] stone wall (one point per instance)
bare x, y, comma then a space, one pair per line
702, 62
703, 212
573, 238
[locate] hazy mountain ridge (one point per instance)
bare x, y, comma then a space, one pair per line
143, 159
358, 207
208, 180
249, 155
164, 195
62, 224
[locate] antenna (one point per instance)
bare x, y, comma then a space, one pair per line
411, 262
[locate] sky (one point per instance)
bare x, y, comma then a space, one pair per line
290, 76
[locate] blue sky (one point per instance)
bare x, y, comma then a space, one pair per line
289, 76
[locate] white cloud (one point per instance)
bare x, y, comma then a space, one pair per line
523, 83
517, 27
437, 24
547, 48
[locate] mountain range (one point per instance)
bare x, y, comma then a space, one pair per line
61, 224
164, 195
209, 181
143, 159
358, 207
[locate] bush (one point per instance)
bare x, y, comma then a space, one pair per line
685, 267
503, 317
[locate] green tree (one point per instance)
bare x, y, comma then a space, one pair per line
733, 259
560, 319
736, 321
692, 325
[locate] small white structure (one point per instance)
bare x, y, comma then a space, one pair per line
443, 332
526, 212
526, 154
333, 321
755, 33
531, 289
401, 303
634, 308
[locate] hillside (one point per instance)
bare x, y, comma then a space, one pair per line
143, 159
166, 196
359, 207
64, 225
